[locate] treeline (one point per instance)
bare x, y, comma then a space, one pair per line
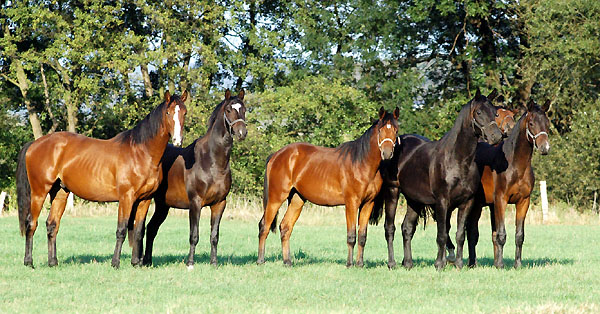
315, 71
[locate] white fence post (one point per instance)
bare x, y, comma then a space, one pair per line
70, 203
2, 198
544, 197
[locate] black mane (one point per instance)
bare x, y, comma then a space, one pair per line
360, 147
147, 128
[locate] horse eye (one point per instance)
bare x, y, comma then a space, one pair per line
478, 111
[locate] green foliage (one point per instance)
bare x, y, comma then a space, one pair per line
314, 110
15, 133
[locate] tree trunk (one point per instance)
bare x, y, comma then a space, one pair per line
47, 98
23, 84
147, 83
71, 113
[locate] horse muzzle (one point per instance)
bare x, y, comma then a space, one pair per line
239, 131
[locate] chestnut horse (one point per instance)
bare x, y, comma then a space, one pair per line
325, 176
199, 175
507, 178
125, 168
439, 175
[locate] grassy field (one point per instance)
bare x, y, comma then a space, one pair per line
561, 271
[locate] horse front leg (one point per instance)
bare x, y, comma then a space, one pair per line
462, 215
441, 210
391, 203
216, 212
139, 226
161, 210
522, 208
472, 226
195, 209
351, 217
409, 225
451, 257
499, 234
125, 205
363, 222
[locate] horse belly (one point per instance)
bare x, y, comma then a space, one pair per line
324, 193
93, 180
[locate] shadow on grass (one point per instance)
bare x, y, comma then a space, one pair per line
302, 259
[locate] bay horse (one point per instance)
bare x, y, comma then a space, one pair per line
507, 178
199, 175
346, 175
435, 175
125, 168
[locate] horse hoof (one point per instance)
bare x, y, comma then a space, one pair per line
214, 263
407, 265
392, 265
451, 258
458, 264
360, 264
517, 265
472, 265
52, 263
439, 265
287, 263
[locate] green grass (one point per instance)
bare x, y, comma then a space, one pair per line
561, 272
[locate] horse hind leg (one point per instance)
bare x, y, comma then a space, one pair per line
273, 202
58, 199
216, 213
351, 219
363, 222
287, 225
125, 206
38, 196
409, 226
160, 214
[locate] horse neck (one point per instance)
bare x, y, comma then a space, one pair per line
461, 140
374, 156
518, 149
156, 145
220, 142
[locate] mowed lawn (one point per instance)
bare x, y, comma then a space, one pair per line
561, 272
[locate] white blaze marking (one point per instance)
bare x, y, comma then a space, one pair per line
236, 107
389, 126
177, 127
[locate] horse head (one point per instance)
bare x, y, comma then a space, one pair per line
387, 130
234, 114
537, 126
175, 116
483, 118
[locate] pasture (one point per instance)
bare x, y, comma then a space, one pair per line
561, 270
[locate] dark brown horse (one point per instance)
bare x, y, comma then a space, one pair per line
440, 175
199, 175
125, 168
346, 175
507, 178
505, 119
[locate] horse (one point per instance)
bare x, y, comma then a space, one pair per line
199, 175
505, 121
507, 178
435, 176
125, 168
346, 175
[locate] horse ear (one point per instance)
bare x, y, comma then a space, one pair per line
478, 93
241, 94
381, 112
530, 105
396, 113
167, 97
492, 95
227, 94
546, 105
184, 96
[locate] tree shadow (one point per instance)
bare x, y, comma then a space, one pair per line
526, 262
92, 259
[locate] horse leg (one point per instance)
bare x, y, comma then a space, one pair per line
441, 210
351, 217
473, 233
451, 257
391, 202
195, 209
139, 226
161, 210
409, 225
287, 225
522, 207
463, 213
57, 209
363, 222
125, 205
499, 237
38, 195
216, 212
271, 208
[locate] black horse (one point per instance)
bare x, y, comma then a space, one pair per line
199, 175
437, 175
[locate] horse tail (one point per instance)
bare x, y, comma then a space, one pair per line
23, 190
266, 195
377, 212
